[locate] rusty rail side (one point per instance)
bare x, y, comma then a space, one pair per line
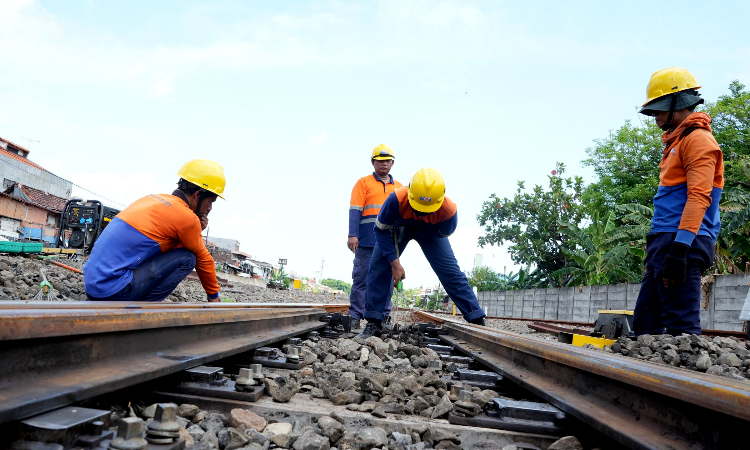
552, 329
708, 332
642, 405
40, 373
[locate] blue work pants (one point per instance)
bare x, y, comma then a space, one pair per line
156, 277
675, 309
439, 254
362, 257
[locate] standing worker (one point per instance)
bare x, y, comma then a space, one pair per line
368, 196
137, 256
680, 246
421, 212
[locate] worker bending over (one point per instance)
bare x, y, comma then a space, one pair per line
421, 212
368, 196
153, 244
680, 246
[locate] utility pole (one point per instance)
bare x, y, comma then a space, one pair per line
322, 263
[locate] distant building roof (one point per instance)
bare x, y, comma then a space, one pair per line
44, 199
35, 197
6, 149
242, 254
224, 243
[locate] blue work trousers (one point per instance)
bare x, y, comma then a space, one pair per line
675, 309
156, 277
362, 257
439, 254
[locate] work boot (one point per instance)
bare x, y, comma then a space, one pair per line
355, 324
478, 321
371, 329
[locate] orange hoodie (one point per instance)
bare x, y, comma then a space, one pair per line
691, 180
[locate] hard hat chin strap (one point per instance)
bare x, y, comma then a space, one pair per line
672, 105
203, 196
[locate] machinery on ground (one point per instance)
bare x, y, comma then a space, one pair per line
86, 220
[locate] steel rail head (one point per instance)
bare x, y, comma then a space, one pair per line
716, 393
79, 359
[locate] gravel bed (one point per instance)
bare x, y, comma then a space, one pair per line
385, 378
20, 278
723, 356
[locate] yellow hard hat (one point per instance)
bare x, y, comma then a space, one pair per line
381, 152
426, 190
204, 174
668, 81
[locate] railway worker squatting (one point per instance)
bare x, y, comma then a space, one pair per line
368, 196
153, 244
423, 213
680, 246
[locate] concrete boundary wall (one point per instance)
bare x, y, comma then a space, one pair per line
720, 307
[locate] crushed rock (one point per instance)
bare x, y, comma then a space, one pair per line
20, 279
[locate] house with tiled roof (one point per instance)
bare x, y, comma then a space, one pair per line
16, 167
31, 197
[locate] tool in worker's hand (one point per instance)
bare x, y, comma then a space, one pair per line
398, 298
46, 291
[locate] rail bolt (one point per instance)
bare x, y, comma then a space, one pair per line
165, 418
129, 435
257, 371
293, 353
244, 379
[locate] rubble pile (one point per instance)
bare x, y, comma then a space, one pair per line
20, 278
380, 377
192, 291
725, 356
385, 378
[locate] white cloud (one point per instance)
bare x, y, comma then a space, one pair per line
319, 139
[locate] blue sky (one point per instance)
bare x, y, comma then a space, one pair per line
290, 97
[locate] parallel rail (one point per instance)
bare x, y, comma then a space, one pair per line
59, 353
642, 405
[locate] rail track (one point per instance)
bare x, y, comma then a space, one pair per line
638, 404
62, 353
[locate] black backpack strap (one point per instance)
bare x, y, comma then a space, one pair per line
687, 131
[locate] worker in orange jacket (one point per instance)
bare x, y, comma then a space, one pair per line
153, 244
368, 196
685, 225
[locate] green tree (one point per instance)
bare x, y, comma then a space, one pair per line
733, 245
627, 167
529, 223
337, 284
603, 253
486, 279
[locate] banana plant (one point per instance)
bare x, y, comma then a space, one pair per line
604, 252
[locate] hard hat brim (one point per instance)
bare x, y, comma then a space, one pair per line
383, 158
684, 100
425, 208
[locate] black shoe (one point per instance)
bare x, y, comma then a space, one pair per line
371, 329
478, 321
355, 324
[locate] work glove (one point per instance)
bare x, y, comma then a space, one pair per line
675, 264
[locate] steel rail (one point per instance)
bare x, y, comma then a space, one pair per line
707, 332
640, 404
553, 329
30, 304
54, 357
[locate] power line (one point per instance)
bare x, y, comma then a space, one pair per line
65, 187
